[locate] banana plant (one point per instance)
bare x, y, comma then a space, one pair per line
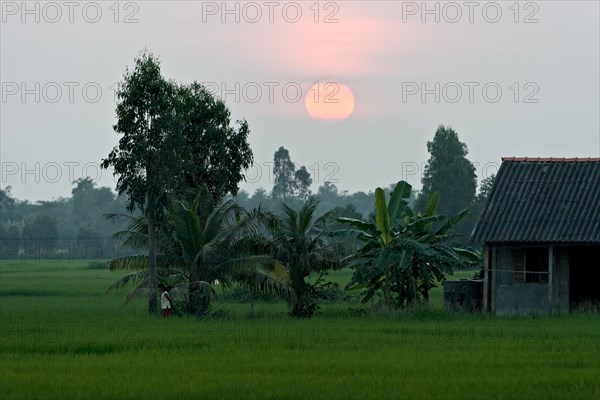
403, 254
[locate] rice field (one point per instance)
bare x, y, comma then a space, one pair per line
62, 337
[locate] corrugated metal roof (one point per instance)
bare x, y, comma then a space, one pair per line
543, 200
551, 159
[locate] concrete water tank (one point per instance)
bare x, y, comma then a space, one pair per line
464, 294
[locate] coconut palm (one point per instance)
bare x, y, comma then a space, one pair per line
135, 238
298, 243
210, 242
404, 254
216, 245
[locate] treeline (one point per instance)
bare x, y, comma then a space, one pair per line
66, 228
448, 171
77, 227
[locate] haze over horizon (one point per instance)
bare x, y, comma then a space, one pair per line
513, 79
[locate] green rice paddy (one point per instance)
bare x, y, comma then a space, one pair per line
62, 337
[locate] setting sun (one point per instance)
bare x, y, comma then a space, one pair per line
329, 101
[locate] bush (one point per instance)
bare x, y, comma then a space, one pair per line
98, 265
331, 291
307, 304
179, 308
242, 294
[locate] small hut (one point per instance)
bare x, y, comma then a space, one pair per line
540, 231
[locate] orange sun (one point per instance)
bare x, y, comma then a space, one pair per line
329, 101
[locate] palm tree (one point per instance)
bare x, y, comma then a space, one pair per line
135, 238
211, 241
216, 245
298, 243
403, 254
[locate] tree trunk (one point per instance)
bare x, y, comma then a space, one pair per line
387, 288
152, 267
299, 287
198, 301
425, 295
412, 291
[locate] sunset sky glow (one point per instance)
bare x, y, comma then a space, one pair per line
511, 80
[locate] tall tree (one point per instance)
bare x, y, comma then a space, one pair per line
176, 138
303, 180
146, 158
450, 173
216, 154
284, 185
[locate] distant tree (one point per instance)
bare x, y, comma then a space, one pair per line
260, 196
41, 227
303, 180
11, 220
82, 184
10, 231
87, 198
9, 211
329, 221
363, 202
289, 182
284, 185
484, 191
450, 173
327, 191
485, 188
87, 233
90, 243
7, 201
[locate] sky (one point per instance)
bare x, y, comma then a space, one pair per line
511, 78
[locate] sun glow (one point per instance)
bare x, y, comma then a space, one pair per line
329, 101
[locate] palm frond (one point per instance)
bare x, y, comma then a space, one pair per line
204, 289
136, 277
140, 291
129, 262
264, 283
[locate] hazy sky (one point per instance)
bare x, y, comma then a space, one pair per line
513, 79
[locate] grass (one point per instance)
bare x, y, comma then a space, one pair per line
62, 337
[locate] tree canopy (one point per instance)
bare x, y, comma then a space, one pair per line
449, 172
289, 182
174, 138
